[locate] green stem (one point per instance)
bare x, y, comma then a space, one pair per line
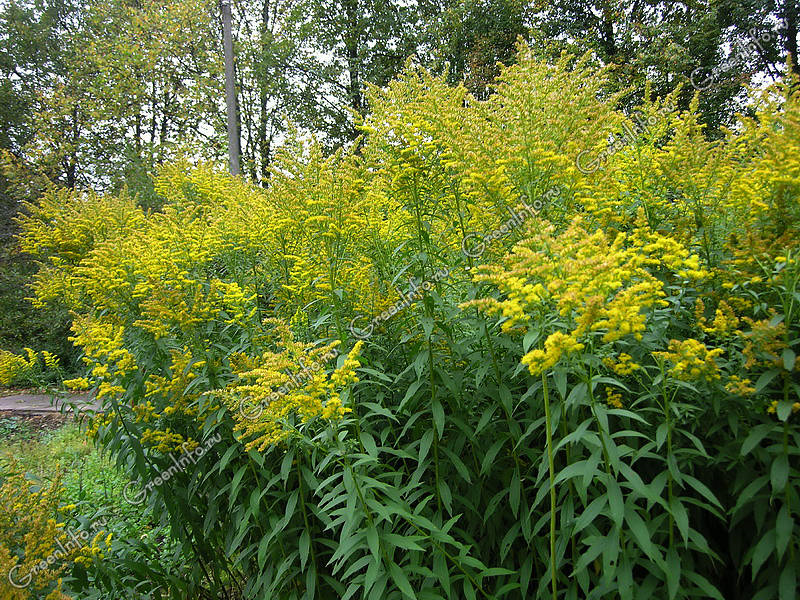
668, 418
499, 379
435, 434
551, 467
308, 528
448, 556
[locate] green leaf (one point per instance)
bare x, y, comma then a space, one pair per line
704, 584
753, 439
636, 483
304, 546
529, 338
765, 379
373, 572
789, 358
311, 582
457, 463
263, 546
641, 533
681, 516
577, 394
784, 409
412, 389
581, 467
286, 465
514, 492
590, 514
291, 504
469, 591
661, 435
425, 445
399, 577
255, 500
560, 378
787, 584
406, 542
437, 411
784, 526
488, 458
223, 462
673, 572
373, 542
702, 489
237, 479
369, 444
762, 551
485, 418
442, 572
615, 502
779, 473
427, 326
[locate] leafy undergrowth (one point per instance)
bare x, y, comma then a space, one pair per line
92, 498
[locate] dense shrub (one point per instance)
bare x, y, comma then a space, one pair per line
22, 325
523, 347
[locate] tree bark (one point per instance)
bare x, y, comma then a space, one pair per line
352, 41
263, 145
790, 11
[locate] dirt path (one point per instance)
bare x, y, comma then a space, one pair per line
33, 403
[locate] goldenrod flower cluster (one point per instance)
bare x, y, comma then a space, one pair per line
595, 283
764, 343
556, 346
32, 541
613, 398
773, 407
691, 360
291, 381
78, 384
12, 366
97, 421
96, 549
17, 368
624, 365
740, 387
182, 301
725, 320
104, 347
167, 441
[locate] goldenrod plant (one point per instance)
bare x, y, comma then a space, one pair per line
31, 369
35, 550
602, 402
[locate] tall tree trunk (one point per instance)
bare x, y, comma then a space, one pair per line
71, 166
263, 145
351, 41
790, 11
164, 122
607, 33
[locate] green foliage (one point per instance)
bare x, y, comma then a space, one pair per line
140, 549
717, 47
23, 326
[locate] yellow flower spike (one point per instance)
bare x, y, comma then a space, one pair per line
613, 398
691, 360
295, 380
